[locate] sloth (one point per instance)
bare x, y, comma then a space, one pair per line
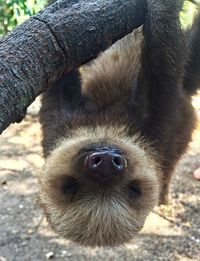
114, 129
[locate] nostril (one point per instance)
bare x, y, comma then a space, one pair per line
93, 161
97, 160
119, 161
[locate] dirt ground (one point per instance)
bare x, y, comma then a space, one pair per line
170, 233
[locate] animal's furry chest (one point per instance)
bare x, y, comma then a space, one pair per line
111, 76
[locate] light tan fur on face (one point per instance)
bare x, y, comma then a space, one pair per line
114, 71
94, 217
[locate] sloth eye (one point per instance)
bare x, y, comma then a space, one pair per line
135, 189
70, 185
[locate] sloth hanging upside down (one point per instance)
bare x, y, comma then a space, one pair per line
114, 129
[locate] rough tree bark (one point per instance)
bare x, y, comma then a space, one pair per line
61, 37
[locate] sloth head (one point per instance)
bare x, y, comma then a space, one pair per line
98, 185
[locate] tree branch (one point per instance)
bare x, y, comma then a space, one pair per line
61, 37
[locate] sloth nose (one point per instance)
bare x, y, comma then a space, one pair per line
105, 165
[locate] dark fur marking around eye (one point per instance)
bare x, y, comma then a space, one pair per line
135, 189
70, 185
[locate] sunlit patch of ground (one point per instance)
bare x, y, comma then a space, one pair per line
196, 104
170, 233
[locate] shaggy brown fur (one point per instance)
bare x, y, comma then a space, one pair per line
131, 98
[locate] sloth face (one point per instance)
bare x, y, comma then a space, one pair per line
98, 189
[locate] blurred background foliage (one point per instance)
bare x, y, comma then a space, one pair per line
190, 9
14, 12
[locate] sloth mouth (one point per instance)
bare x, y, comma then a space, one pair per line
99, 147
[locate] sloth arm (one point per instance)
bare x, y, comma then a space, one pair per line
163, 61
